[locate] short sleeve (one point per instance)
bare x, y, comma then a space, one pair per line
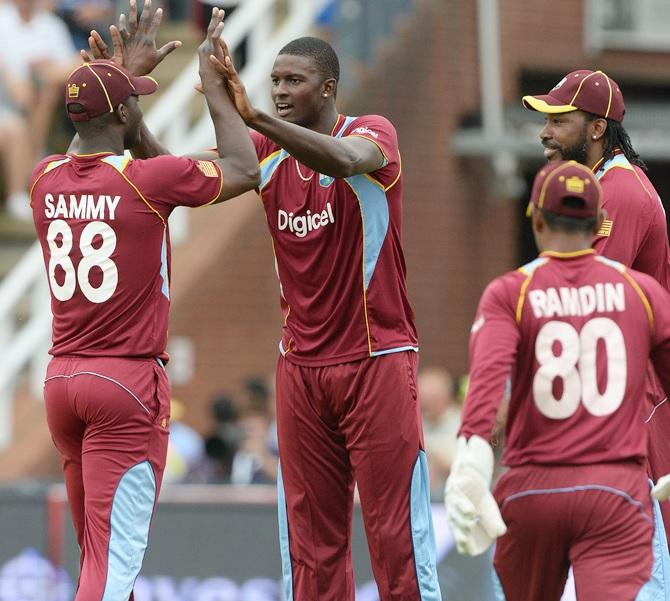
177, 181
260, 143
381, 132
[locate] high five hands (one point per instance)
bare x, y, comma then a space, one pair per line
223, 64
134, 41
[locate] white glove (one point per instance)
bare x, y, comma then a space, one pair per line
472, 512
661, 490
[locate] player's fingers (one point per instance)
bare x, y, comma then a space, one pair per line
145, 17
117, 42
218, 65
132, 16
100, 44
231, 70
123, 25
169, 47
213, 21
155, 22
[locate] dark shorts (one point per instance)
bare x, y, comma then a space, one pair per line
109, 419
356, 422
596, 518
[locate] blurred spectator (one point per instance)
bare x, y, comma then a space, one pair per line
441, 415
186, 457
15, 94
257, 459
36, 47
81, 16
222, 444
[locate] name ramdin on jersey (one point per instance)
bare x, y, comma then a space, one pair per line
84, 206
585, 300
303, 224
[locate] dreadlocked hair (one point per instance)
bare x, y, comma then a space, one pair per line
617, 138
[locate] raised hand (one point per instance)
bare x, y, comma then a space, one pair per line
223, 63
210, 44
134, 41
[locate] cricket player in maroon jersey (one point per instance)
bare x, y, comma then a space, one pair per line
102, 220
584, 114
347, 408
574, 330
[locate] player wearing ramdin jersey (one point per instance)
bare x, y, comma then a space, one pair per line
584, 114
102, 221
574, 331
347, 408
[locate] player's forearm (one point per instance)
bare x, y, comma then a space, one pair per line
232, 137
320, 152
149, 146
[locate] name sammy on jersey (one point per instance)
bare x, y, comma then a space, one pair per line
84, 206
584, 300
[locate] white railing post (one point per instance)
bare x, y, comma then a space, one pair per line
40, 305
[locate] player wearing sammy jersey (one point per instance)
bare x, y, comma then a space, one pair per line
102, 221
107, 301
575, 331
338, 244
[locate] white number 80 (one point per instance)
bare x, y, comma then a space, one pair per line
576, 366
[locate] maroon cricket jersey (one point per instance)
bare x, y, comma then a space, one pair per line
574, 332
338, 251
635, 230
102, 222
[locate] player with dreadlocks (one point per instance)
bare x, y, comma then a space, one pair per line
584, 114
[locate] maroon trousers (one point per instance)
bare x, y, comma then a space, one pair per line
109, 419
596, 518
356, 422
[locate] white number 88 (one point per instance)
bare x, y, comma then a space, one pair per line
91, 257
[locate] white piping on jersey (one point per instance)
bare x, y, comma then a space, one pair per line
92, 373
580, 488
618, 160
54, 164
665, 400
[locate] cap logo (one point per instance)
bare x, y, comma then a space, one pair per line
73, 90
575, 184
560, 83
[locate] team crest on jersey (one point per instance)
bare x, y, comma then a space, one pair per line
208, 168
325, 180
605, 228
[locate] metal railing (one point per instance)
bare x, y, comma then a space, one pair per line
25, 315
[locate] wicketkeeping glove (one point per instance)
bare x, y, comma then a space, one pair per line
472, 512
661, 490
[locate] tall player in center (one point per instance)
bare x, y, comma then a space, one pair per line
347, 408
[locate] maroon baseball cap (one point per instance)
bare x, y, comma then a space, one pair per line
567, 179
590, 91
100, 86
